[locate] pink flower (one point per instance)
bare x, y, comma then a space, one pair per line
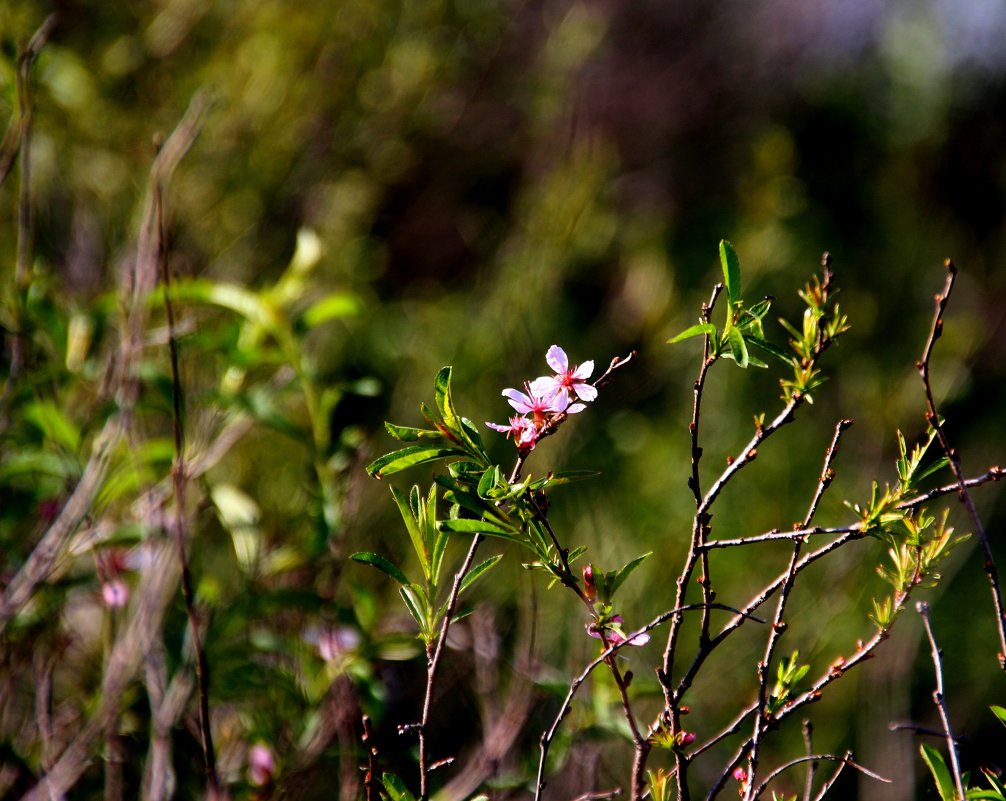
568, 382
115, 593
333, 641
261, 764
613, 632
522, 429
535, 404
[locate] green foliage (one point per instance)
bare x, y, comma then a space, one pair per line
789, 673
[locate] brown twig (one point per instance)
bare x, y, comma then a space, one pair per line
808, 741
846, 760
778, 623
609, 651
18, 139
52, 545
433, 661
180, 526
937, 656
953, 457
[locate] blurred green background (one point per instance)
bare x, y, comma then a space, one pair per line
478, 180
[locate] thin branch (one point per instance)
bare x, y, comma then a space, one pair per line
954, 458
808, 741
937, 655
51, 546
846, 760
18, 138
433, 660
180, 526
549, 734
778, 623
602, 796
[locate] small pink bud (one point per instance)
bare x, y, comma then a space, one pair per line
115, 593
261, 764
740, 774
590, 589
686, 738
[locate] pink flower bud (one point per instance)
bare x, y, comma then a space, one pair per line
261, 764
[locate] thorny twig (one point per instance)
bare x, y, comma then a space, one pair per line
955, 765
933, 418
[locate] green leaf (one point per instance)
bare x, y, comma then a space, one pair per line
700, 328
407, 508
382, 564
331, 307
397, 791
770, 348
624, 573
738, 348
54, 424
409, 457
472, 575
941, 774
445, 404
412, 599
481, 527
408, 434
999, 712
731, 272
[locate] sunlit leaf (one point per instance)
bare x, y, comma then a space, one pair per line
941, 774
694, 331
332, 307
731, 271
409, 457
382, 564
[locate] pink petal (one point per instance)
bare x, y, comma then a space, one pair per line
584, 370
521, 402
576, 407
585, 392
556, 358
546, 386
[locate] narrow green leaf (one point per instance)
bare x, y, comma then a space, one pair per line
472, 575
624, 573
409, 457
331, 307
428, 521
694, 331
408, 434
941, 774
397, 791
731, 272
481, 527
939, 464
999, 712
407, 509
414, 603
738, 348
54, 424
442, 387
461, 614
770, 348
382, 564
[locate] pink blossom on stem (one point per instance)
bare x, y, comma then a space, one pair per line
261, 764
569, 382
522, 429
115, 593
535, 404
613, 632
